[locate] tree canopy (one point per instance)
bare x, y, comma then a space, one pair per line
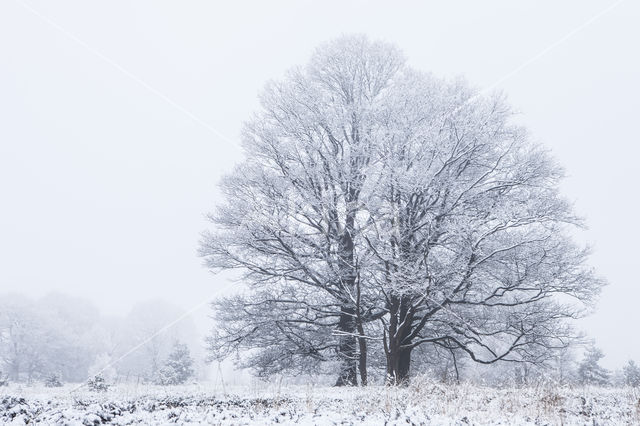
379, 206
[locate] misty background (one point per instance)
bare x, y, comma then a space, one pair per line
118, 119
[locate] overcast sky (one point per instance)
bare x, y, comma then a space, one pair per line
118, 118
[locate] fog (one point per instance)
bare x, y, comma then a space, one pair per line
118, 119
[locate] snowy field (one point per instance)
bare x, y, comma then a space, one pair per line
426, 403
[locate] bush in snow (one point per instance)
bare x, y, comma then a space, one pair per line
178, 368
97, 384
4, 379
53, 381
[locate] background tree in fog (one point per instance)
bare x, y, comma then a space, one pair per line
52, 335
144, 328
177, 368
631, 373
590, 372
380, 204
67, 339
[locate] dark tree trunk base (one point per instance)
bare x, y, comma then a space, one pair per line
398, 366
347, 378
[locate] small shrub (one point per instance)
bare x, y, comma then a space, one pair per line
53, 381
178, 367
4, 379
97, 384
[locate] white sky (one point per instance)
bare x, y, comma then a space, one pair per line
104, 184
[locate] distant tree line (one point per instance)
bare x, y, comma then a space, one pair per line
58, 339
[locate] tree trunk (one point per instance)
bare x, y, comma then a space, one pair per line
347, 348
404, 364
347, 323
362, 358
398, 366
397, 350
362, 341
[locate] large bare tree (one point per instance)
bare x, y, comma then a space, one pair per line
381, 204
470, 233
291, 217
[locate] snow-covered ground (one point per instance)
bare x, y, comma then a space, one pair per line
421, 403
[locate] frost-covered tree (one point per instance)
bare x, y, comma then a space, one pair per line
144, 341
590, 372
561, 368
631, 373
53, 381
45, 336
377, 203
178, 368
20, 347
295, 211
65, 336
97, 383
471, 232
